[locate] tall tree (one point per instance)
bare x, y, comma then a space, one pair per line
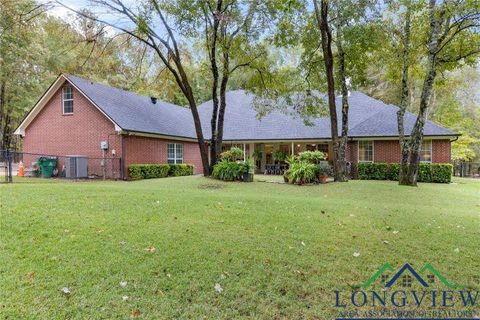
230, 33
149, 23
405, 95
321, 13
450, 24
17, 33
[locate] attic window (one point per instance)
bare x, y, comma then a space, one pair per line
67, 100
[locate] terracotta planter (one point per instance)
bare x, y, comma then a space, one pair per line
323, 179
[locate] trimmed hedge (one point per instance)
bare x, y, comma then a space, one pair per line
151, 171
427, 172
177, 170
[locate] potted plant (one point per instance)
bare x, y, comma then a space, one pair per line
279, 155
257, 154
324, 170
248, 170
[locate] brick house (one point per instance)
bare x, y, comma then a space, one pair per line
74, 115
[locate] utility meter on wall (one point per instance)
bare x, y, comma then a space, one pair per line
104, 145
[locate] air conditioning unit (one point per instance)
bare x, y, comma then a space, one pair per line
76, 167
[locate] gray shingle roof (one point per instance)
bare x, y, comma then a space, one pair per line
133, 112
368, 117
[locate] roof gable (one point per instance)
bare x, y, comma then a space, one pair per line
46, 97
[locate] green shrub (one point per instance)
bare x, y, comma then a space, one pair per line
442, 172
152, 171
366, 171
324, 168
427, 172
228, 170
301, 172
233, 154
424, 173
311, 156
393, 172
177, 170
135, 171
279, 155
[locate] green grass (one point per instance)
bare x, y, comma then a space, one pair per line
277, 250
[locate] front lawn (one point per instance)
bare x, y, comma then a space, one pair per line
277, 251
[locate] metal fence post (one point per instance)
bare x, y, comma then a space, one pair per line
8, 159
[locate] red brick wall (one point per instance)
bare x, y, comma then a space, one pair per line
79, 133
152, 150
388, 151
352, 151
441, 152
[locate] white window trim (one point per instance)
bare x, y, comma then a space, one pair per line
63, 100
431, 151
175, 159
373, 151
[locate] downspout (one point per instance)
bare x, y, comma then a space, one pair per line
450, 147
123, 160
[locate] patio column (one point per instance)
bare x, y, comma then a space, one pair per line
244, 152
293, 149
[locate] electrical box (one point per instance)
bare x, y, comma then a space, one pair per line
104, 145
76, 167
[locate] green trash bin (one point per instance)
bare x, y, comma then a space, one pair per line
47, 165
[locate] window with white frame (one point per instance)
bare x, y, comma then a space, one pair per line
67, 100
365, 151
175, 153
426, 151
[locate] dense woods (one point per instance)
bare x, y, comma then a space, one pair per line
419, 55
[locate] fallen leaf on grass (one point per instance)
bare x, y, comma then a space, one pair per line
124, 298
136, 313
218, 288
457, 250
395, 231
303, 243
159, 293
356, 254
123, 284
66, 291
31, 275
385, 242
299, 272
151, 249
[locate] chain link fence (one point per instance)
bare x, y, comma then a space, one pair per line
15, 163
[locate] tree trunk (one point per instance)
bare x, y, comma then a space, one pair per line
214, 149
198, 129
2, 114
326, 35
404, 145
342, 175
223, 100
416, 137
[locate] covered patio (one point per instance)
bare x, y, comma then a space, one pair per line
269, 156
